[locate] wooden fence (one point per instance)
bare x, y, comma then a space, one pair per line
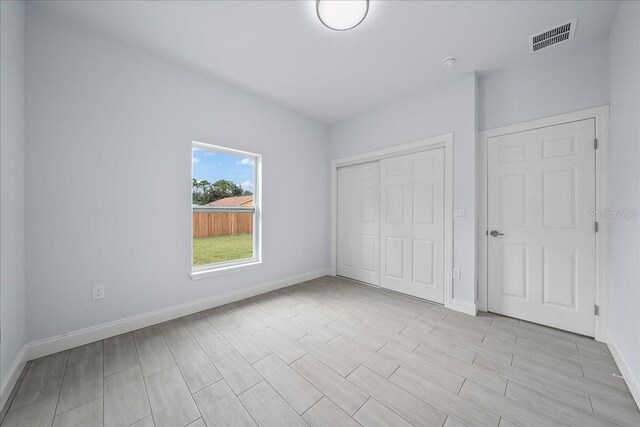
208, 224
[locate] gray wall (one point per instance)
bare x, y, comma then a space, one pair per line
448, 108
547, 84
624, 185
12, 174
109, 172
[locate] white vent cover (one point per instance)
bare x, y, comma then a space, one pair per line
552, 36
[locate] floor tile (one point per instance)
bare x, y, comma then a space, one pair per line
566, 395
362, 338
176, 335
197, 423
396, 398
33, 415
88, 415
87, 351
248, 346
342, 392
375, 414
553, 407
82, 383
268, 409
153, 351
326, 413
170, 399
372, 360
145, 422
247, 320
286, 328
119, 353
196, 368
296, 390
432, 372
238, 373
616, 414
328, 355
505, 407
470, 413
478, 374
125, 398
219, 406
207, 336
220, 320
42, 380
279, 345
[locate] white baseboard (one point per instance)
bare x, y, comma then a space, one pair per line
70, 340
625, 369
465, 307
12, 376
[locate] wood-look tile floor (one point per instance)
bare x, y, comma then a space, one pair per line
328, 352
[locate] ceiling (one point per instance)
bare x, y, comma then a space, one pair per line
280, 50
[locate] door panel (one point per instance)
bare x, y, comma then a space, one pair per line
541, 190
412, 226
359, 222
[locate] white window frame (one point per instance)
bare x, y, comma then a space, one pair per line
211, 270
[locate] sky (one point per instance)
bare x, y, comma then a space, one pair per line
214, 166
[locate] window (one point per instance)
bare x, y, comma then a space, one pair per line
225, 196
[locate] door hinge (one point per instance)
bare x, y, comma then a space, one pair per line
596, 310
596, 227
595, 144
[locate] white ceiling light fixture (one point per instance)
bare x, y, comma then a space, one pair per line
342, 15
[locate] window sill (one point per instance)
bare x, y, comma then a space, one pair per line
228, 269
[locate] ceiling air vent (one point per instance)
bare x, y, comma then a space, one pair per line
552, 36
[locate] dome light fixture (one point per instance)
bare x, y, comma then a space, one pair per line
342, 15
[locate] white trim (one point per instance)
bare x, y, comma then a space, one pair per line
70, 340
233, 151
217, 269
12, 376
465, 307
633, 382
601, 116
441, 141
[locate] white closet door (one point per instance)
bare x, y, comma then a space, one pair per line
412, 224
359, 222
542, 238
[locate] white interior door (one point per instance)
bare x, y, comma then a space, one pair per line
412, 224
541, 193
359, 222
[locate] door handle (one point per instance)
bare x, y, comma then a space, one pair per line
496, 233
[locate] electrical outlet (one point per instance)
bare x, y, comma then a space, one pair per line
459, 214
456, 273
98, 292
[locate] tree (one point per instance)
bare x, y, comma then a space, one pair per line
203, 192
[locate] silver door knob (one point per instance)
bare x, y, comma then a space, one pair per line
496, 233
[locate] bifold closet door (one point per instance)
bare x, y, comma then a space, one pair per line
412, 224
359, 222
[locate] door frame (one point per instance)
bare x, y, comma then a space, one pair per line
601, 117
441, 141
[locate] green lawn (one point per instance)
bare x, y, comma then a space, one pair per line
209, 250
